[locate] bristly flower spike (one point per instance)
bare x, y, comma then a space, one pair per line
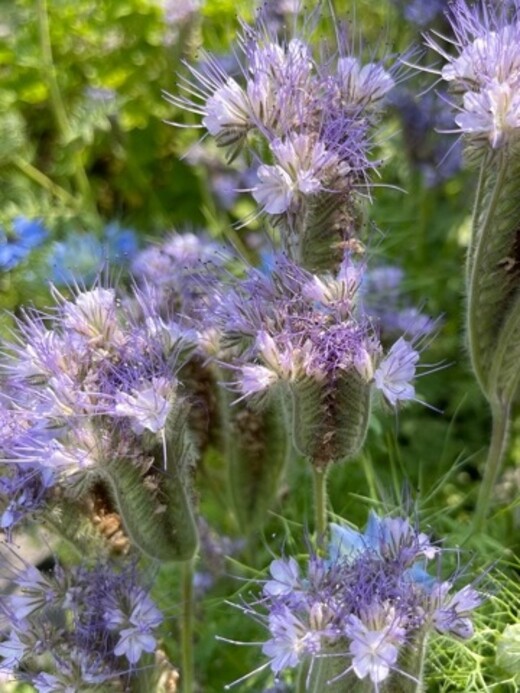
95, 389
484, 75
358, 618
312, 128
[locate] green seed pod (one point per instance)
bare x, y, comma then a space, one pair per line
316, 238
330, 419
256, 450
156, 511
493, 274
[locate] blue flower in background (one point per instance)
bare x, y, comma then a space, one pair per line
26, 235
81, 256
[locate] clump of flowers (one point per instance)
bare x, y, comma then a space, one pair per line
484, 71
305, 337
362, 612
84, 625
308, 125
96, 398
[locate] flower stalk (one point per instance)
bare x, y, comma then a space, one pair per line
501, 413
319, 485
187, 620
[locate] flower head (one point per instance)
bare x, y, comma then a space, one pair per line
91, 622
485, 71
363, 604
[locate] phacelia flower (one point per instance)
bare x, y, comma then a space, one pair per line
92, 623
396, 371
361, 606
86, 381
485, 71
309, 125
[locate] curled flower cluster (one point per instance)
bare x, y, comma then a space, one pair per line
292, 326
485, 70
86, 625
308, 125
362, 606
87, 385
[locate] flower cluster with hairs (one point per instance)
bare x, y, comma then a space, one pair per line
292, 325
78, 626
84, 384
362, 605
484, 71
307, 122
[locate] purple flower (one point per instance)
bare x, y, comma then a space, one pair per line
86, 383
143, 619
375, 640
395, 373
91, 623
484, 71
303, 168
285, 578
311, 120
453, 616
365, 601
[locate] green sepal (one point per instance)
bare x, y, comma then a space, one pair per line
316, 235
330, 419
256, 450
504, 376
157, 513
493, 268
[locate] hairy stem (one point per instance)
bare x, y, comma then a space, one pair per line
422, 661
319, 480
187, 618
476, 259
500, 412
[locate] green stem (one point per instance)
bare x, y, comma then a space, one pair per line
44, 181
187, 619
500, 412
484, 170
301, 682
370, 476
56, 101
475, 272
420, 673
319, 478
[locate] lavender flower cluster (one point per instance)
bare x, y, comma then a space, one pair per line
84, 385
77, 626
484, 71
292, 325
357, 610
103, 395
308, 125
